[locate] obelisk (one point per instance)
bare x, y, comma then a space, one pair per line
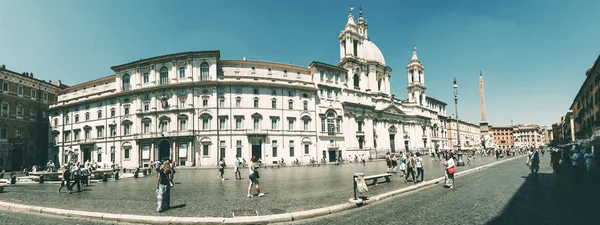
483, 125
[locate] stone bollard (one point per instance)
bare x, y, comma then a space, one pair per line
42, 179
145, 172
117, 175
105, 177
135, 173
13, 179
124, 170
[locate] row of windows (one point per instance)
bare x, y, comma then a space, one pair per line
126, 154
182, 126
256, 103
146, 106
164, 76
34, 92
87, 116
4, 111
238, 152
4, 133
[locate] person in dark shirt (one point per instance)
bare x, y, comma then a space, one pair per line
163, 187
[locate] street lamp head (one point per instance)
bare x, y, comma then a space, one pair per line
455, 86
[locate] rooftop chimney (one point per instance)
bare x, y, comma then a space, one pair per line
3, 67
31, 75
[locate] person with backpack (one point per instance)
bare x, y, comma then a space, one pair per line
533, 161
410, 168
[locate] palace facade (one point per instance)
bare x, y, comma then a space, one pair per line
23, 120
195, 108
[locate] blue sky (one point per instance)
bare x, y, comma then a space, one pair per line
533, 54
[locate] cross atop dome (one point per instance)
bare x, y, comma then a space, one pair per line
414, 55
351, 17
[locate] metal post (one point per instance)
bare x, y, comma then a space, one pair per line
460, 155
354, 181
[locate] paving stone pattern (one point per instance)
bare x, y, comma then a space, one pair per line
503, 194
22, 218
199, 192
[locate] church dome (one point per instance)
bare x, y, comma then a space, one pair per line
371, 52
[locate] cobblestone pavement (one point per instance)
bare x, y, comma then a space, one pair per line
18, 218
199, 192
503, 194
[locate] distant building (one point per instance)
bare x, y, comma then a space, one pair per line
23, 120
503, 136
530, 135
470, 134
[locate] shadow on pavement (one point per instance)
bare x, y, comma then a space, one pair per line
543, 200
176, 207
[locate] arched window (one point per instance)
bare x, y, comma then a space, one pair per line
330, 123
164, 75
204, 71
356, 81
126, 82
379, 84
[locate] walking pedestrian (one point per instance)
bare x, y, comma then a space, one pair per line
236, 168
254, 176
76, 178
449, 171
163, 187
222, 169
555, 163
533, 161
589, 160
388, 161
394, 163
157, 165
66, 179
410, 168
85, 176
575, 166
403, 164
419, 165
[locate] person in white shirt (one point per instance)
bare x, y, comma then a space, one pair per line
77, 175
449, 170
419, 165
236, 168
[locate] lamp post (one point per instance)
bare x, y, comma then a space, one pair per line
114, 136
459, 154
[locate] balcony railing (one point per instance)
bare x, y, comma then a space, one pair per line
257, 132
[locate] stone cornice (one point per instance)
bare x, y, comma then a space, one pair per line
180, 85
168, 58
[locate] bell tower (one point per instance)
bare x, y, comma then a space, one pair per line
416, 80
351, 37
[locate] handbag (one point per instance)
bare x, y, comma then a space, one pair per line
451, 170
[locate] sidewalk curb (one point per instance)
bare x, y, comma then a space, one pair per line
266, 219
434, 181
